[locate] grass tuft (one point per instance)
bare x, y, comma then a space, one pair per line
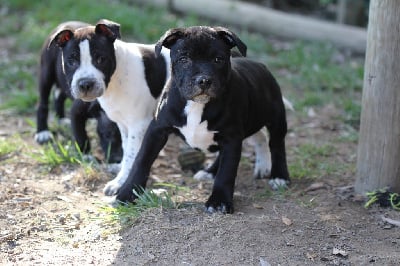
127, 213
57, 153
6, 147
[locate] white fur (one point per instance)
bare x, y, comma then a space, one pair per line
278, 183
43, 136
203, 175
262, 167
287, 104
87, 70
195, 131
128, 101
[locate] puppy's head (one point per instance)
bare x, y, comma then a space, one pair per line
88, 57
200, 59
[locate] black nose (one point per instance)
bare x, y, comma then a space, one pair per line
204, 82
86, 84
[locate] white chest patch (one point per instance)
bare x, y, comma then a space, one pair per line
196, 133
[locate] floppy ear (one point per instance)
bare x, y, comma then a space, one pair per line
231, 39
168, 39
61, 38
109, 29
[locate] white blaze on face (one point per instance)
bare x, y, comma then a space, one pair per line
196, 133
87, 70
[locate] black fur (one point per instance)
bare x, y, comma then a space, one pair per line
242, 97
59, 59
154, 66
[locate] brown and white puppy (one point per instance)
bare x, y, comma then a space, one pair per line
125, 78
52, 72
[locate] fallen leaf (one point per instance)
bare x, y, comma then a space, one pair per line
255, 205
286, 221
315, 186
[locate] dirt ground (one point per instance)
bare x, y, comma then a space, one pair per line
56, 218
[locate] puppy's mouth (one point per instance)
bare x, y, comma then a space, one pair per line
88, 98
87, 89
201, 98
202, 95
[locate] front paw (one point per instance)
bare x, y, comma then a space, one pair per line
112, 187
218, 204
261, 173
125, 194
43, 136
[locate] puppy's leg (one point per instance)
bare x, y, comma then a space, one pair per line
131, 146
46, 81
208, 173
79, 116
154, 140
110, 138
221, 199
262, 166
59, 103
277, 130
112, 186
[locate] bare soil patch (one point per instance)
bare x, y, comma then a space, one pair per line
55, 218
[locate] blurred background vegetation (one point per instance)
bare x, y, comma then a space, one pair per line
312, 73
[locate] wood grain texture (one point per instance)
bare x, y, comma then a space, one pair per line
378, 163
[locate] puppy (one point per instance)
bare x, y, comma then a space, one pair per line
52, 72
213, 101
125, 78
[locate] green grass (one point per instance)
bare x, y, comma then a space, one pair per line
57, 153
127, 213
312, 161
8, 146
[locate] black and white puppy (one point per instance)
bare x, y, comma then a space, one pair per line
125, 78
214, 102
52, 72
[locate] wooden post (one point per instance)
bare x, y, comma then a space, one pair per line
378, 162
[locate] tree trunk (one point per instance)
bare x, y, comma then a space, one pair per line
378, 163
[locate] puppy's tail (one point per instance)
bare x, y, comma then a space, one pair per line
287, 104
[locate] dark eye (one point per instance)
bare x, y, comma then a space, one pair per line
219, 60
100, 59
73, 60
